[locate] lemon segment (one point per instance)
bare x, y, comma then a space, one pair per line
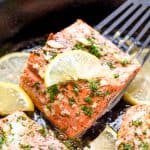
138, 91
73, 65
105, 141
13, 98
12, 66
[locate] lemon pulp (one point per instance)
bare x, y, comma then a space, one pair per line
73, 65
138, 91
13, 98
11, 66
105, 141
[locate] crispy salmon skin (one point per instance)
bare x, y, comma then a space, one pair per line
75, 105
18, 132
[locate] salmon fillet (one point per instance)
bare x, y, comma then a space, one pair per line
18, 132
134, 132
77, 104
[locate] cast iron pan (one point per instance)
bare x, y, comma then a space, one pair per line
25, 24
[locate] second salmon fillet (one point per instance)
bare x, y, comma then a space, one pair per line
75, 105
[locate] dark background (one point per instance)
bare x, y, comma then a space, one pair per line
25, 23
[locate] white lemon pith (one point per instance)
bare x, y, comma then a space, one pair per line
138, 91
11, 66
13, 98
73, 65
105, 141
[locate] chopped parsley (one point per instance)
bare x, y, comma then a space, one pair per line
93, 86
53, 56
92, 48
88, 100
102, 94
71, 101
124, 62
43, 132
87, 110
110, 64
21, 118
68, 143
36, 85
26, 147
116, 76
126, 146
144, 146
45, 52
137, 122
52, 91
48, 106
75, 89
78, 46
2, 140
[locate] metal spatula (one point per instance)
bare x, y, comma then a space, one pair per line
130, 22
128, 27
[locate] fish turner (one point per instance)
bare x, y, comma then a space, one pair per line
129, 28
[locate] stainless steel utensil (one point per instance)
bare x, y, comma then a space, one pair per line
128, 27
130, 22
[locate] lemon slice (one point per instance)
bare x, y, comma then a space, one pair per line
73, 65
11, 66
105, 141
138, 92
13, 98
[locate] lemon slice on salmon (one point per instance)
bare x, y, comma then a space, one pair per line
73, 65
138, 92
13, 98
105, 141
11, 66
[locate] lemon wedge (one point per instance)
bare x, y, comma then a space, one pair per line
138, 91
11, 66
13, 98
73, 65
105, 141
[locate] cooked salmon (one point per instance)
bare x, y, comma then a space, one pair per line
19, 132
134, 133
75, 105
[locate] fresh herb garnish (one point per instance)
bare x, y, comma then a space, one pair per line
21, 118
78, 46
43, 132
93, 48
48, 106
124, 62
127, 147
52, 91
2, 140
26, 147
71, 101
53, 56
93, 86
88, 100
75, 89
110, 64
68, 143
102, 94
45, 52
36, 85
116, 76
144, 146
137, 122
87, 110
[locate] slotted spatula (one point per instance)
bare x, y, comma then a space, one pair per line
130, 22
129, 27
